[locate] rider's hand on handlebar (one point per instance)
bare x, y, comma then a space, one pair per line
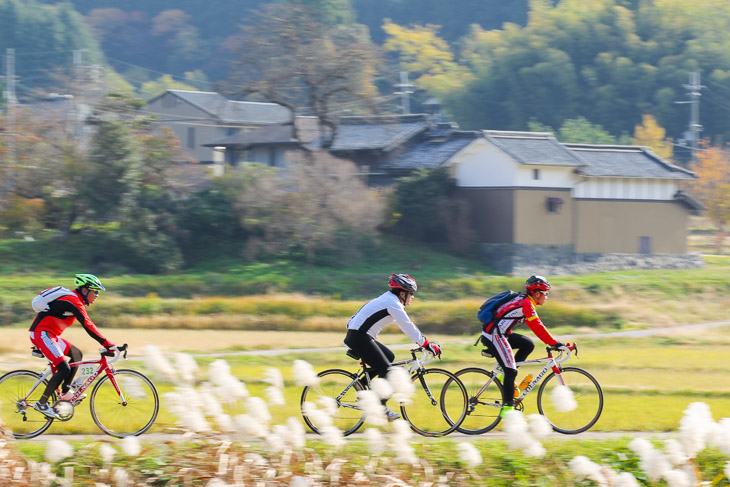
432, 347
557, 346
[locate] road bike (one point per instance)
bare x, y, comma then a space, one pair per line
485, 395
123, 402
439, 395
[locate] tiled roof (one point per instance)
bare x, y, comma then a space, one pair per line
623, 161
376, 133
538, 148
433, 151
229, 111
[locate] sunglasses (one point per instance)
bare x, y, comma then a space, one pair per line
545, 293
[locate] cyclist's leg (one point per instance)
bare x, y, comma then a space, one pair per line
53, 351
76, 356
49, 345
523, 344
377, 356
499, 346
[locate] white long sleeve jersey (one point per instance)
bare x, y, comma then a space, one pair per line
382, 311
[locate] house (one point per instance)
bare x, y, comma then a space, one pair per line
542, 206
198, 117
535, 204
383, 148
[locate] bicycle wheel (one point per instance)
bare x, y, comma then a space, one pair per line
439, 404
16, 406
124, 419
484, 406
338, 385
588, 401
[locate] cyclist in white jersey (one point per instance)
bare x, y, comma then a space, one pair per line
388, 308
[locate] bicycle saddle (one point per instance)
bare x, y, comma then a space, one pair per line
352, 354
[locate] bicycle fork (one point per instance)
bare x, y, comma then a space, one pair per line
422, 380
113, 380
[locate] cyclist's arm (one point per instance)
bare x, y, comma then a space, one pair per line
401, 319
82, 316
536, 325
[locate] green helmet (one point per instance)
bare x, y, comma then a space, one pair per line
89, 280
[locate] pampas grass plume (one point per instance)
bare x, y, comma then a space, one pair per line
304, 374
57, 450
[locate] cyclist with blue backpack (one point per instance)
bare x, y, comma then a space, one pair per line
499, 339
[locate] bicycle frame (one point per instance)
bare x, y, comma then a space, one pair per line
551, 363
104, 365
416, 364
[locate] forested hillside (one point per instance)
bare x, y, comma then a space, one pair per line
494, 64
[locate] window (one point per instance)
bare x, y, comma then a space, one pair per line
191, 137
535, 174
554, 204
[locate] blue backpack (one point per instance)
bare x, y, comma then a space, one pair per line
488, 310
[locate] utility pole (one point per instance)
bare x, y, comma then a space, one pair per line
405, 88
10, 107
694, 92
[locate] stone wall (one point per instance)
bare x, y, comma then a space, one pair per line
561, 260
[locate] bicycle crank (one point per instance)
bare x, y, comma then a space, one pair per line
65, 410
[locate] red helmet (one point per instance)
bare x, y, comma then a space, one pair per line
404, 282
537, 283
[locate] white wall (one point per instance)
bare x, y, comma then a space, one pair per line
626, 188
482, 165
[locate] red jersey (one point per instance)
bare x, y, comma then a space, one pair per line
62, 313
517, 310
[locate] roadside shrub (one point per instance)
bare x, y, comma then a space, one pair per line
208, 225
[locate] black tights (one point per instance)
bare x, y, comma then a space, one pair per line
524, 346
64, 373
376, 355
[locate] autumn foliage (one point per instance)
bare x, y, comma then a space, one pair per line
712, 185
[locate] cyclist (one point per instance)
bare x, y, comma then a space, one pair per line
365, 325
45, 335
499, 339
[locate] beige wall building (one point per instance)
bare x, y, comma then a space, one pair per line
532, 197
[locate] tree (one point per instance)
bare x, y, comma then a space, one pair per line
424, 207
607, 60
712, 186
650, 134
129, 180
422, 52
579, 131
151, 89
44, 168
317, 210
289, 56
44, 38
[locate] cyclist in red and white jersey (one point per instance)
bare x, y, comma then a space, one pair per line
499, 339
388, 308
49, 325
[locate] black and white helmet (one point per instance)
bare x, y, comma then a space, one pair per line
403, 282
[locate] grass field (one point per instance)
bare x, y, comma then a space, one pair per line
648, 382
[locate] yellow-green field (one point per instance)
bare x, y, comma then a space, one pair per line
648, 382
